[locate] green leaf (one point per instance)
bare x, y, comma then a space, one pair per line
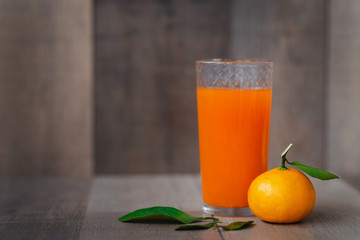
314, 172
161, 214
236, 225
196, 226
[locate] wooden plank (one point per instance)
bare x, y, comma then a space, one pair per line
46, 88
291, 33
343, 110
42, 208
145, 96
112, 197
335, 216
56, 209
108, 192
145, 84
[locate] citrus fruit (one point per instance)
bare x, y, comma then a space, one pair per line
281, 195
285, 195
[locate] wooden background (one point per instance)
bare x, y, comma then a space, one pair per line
145, 87
46, 115
108, 86
343, 85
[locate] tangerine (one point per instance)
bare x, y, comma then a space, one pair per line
281, 195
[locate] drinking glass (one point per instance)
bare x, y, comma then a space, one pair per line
234, 104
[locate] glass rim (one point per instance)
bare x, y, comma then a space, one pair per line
234, 60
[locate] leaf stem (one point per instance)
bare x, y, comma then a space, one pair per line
283, 167
311, 171
283, 157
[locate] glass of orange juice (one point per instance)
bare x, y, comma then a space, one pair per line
234, 104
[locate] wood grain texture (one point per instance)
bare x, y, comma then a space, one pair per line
112, 197
42, 208
66, 208
343, 109
336, 214
145, 81
145, 86
46, 88
291, 33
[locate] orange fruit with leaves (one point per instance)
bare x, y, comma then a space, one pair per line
284, 195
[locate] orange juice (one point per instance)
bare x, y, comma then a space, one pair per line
233, 133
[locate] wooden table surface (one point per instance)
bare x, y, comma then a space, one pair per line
58, 208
